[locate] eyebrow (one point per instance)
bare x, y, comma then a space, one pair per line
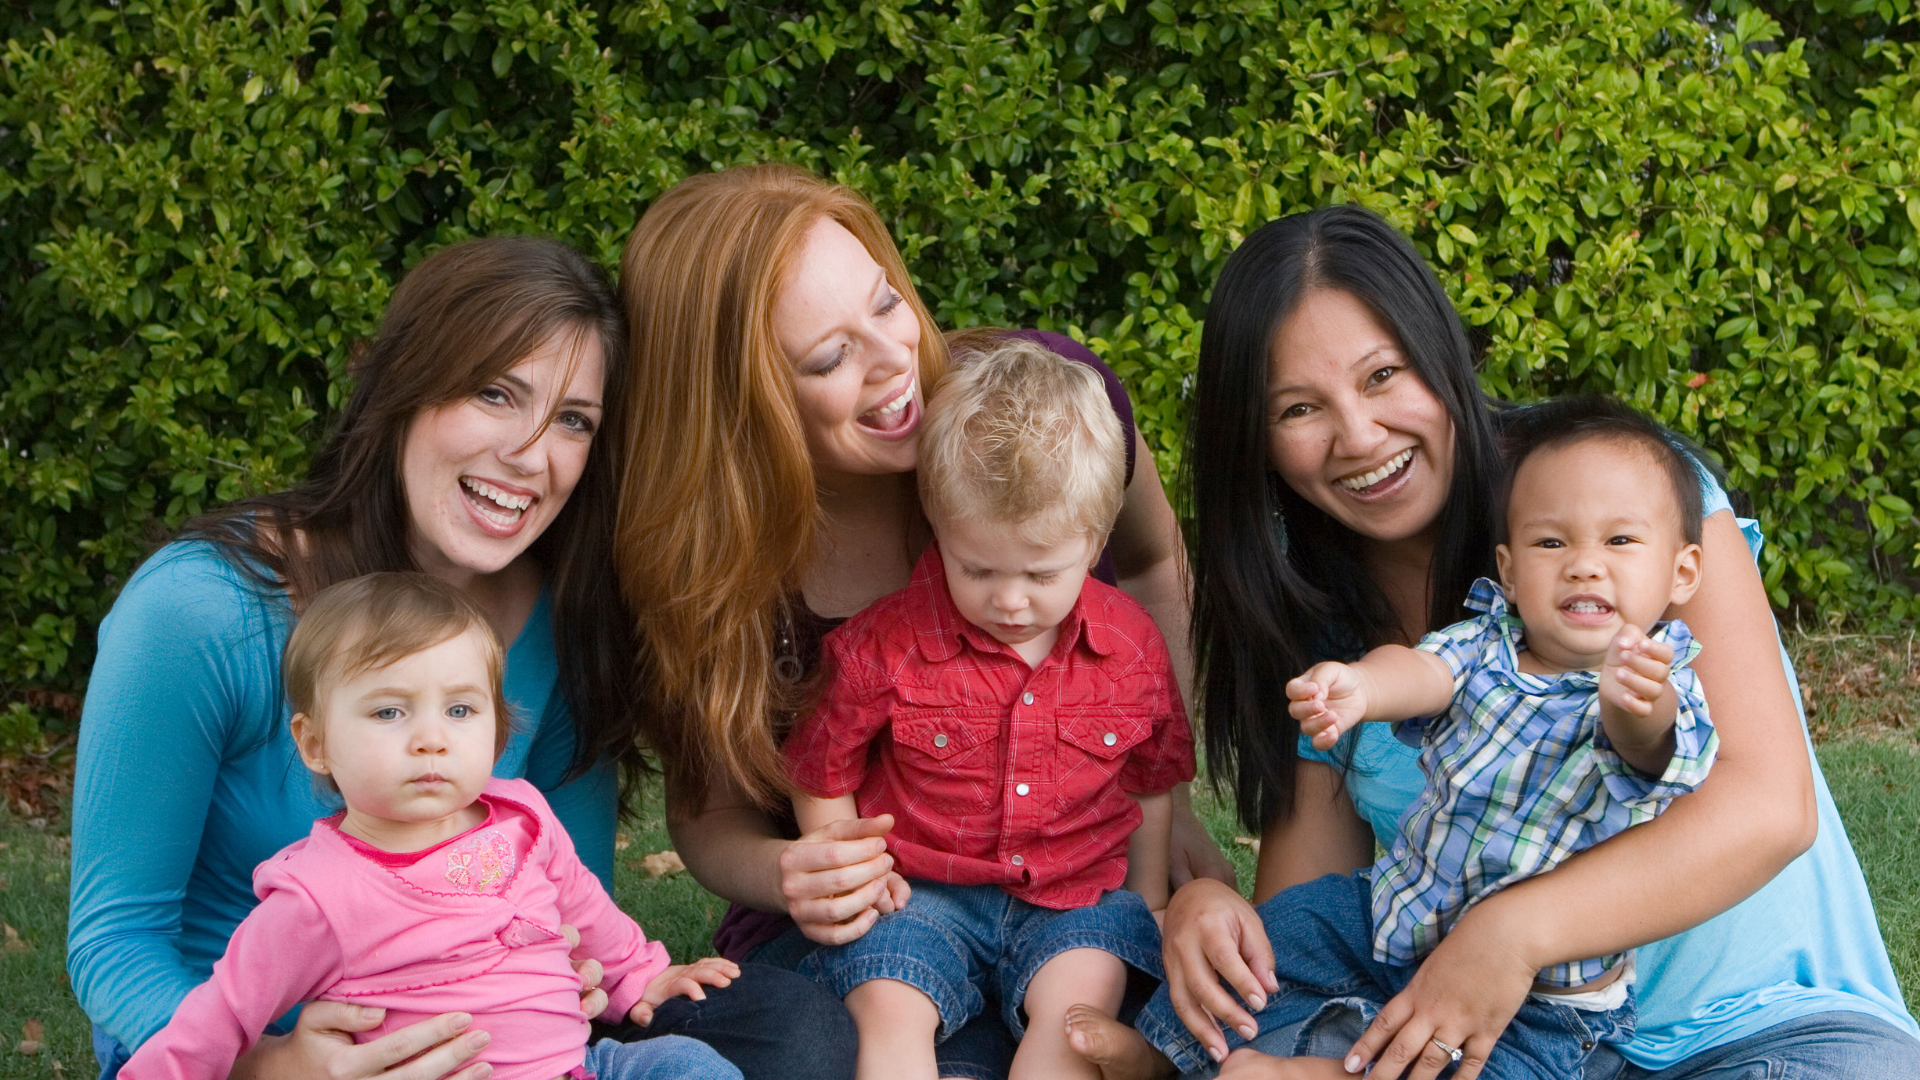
880, 280
1363, 358
526, 390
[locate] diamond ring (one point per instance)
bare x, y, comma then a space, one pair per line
1453, 1052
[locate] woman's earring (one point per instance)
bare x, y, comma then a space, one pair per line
1277, 520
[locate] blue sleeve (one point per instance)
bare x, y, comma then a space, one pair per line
176, 689
586, 805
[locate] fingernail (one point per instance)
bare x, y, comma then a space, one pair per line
372, 1014
460, 1021
1354, 1064
479, 1040
486, 1070
1248, 1031
1216, 1053
1258, 1002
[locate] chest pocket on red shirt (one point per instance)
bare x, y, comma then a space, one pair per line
948, 758
1097, 738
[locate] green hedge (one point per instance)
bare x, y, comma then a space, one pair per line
203, 206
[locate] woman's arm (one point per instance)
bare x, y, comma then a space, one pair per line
828, 881
1147, 849
1708, 851
1149, 559
1324, 834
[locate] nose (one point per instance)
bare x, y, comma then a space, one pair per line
429, 737
891, 356
1357, 433
1010, 599
1584, 563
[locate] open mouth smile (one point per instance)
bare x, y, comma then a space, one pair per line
897, 415
1381, 477
1587, 610
494, 505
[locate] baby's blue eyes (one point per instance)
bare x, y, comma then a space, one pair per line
460, 712
388, 713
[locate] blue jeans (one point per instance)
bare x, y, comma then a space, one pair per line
670, 1057
1830, 1046
756, 1024
958, 943
1322, 935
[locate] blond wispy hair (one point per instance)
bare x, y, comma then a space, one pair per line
1021, 436
719, 511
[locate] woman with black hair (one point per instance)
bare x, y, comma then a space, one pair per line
1344, 464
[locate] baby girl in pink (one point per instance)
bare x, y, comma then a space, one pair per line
438, 889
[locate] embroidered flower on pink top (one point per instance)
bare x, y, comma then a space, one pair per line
481, 863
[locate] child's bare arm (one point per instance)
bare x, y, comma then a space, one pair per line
813, 813
1390, 683
1638, 703
1149, 849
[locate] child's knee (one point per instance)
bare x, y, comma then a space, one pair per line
1078, 977
893, 1003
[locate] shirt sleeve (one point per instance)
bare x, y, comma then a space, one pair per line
171, 695
281, 954
1461, 647
1166, 757
1695, 745
607, 934
827, 751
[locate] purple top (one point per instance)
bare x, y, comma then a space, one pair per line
744, 929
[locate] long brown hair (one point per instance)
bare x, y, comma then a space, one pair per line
458, 320
718, 513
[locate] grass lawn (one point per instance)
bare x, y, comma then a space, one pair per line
1866, 721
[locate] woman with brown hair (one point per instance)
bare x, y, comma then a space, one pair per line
780, 357
466, 452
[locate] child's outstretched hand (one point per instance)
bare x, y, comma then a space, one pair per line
1327, 700
1635, 671
683, 980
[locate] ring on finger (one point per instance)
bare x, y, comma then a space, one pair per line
1452, 1052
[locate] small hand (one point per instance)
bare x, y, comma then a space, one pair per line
894, 897
1328, 700
1635, 672
683, 980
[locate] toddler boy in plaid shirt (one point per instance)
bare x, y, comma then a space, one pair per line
1019, 721
1556, 720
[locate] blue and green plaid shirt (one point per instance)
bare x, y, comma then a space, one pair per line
1520, 775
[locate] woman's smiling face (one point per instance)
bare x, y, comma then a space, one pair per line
482, 479
1350, 426
855, 348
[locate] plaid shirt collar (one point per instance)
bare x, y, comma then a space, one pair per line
939, 630
1487, 598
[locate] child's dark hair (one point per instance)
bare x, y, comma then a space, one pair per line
1565, 421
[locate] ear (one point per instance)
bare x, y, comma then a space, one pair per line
306, 736
1503, 562
1686, 574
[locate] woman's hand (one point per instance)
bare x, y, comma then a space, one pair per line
1464, 994
593, 1000
683, 980
321, 1047
1211, 933
833, 878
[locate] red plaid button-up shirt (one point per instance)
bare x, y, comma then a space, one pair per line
998, 774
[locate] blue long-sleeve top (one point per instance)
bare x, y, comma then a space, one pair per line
189, 778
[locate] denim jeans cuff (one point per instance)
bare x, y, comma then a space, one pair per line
922, 976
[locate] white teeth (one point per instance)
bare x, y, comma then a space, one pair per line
896, 405
500, 498
1367, 480
1586, 607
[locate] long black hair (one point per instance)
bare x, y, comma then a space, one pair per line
458, 320
1278, 584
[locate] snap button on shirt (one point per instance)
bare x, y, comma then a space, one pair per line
1020, 789
1109, 738
941, 740
1026, 698
1018, 861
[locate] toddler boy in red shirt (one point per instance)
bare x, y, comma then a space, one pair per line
1021, 723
